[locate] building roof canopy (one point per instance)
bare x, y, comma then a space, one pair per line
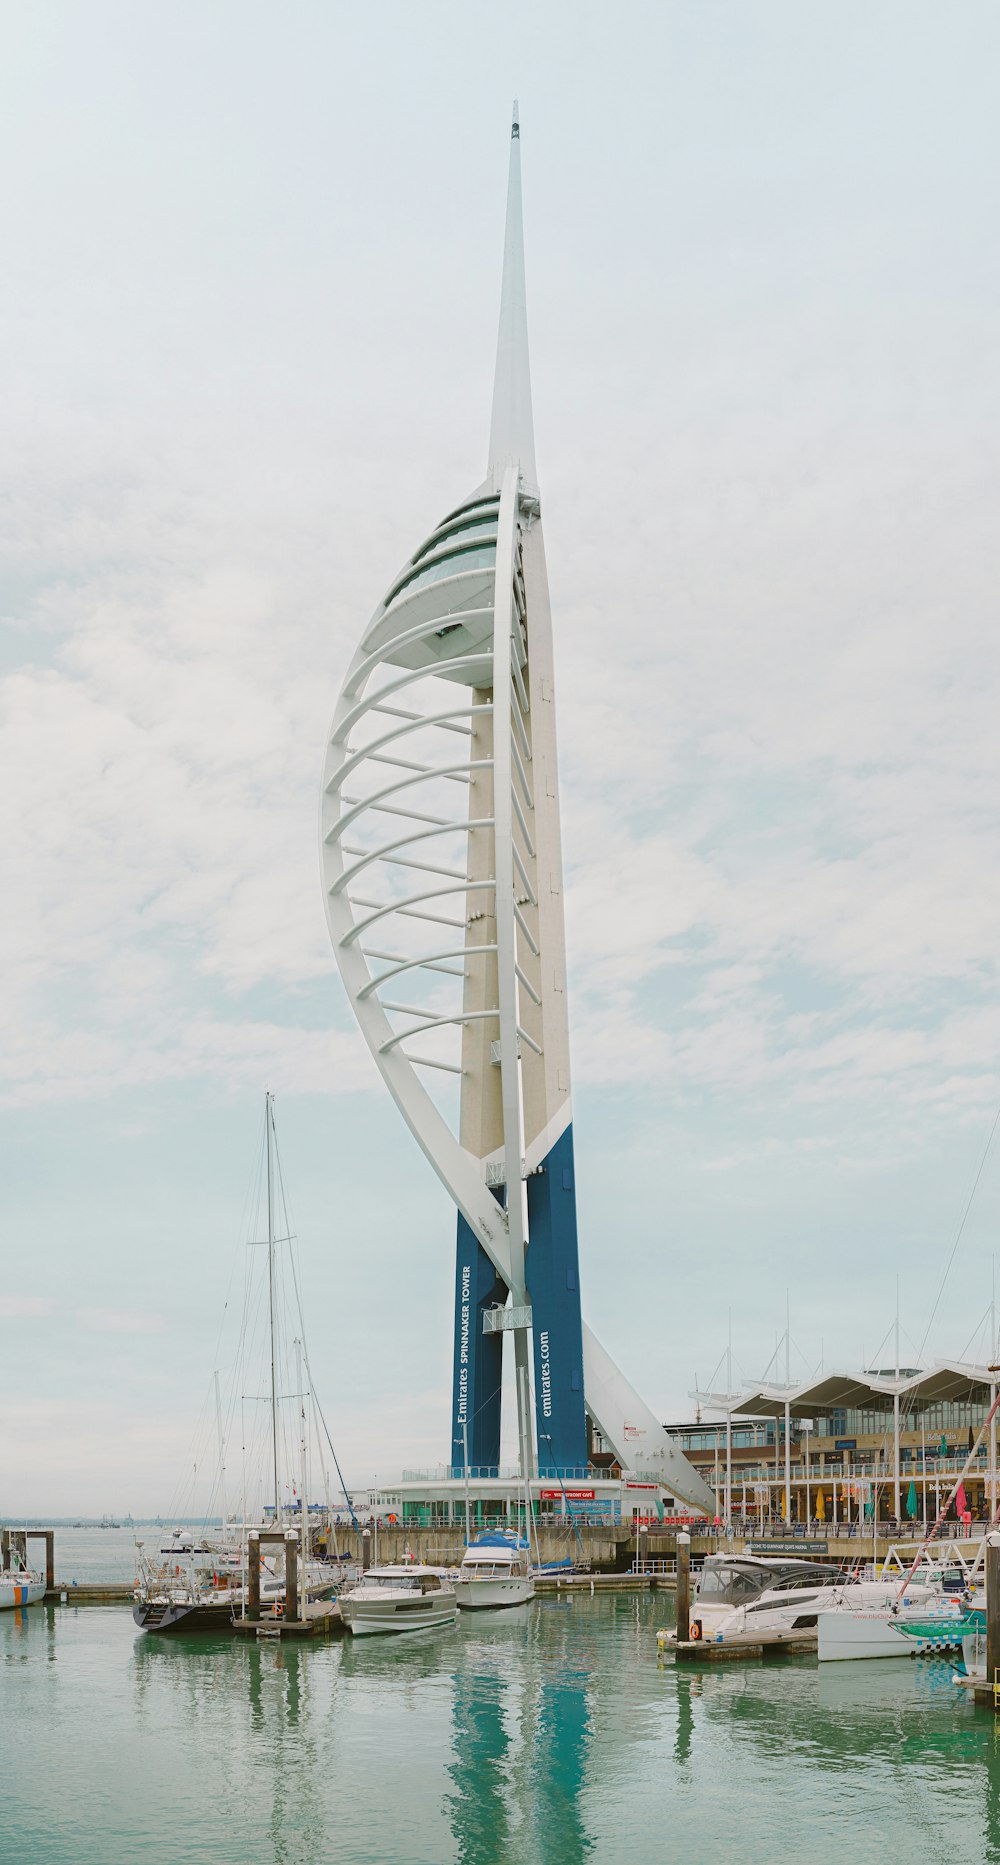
842, 1391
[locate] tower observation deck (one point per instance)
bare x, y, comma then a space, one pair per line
442, 879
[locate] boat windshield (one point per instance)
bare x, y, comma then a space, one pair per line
730, 1584
405, 1583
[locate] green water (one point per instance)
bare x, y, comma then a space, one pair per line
541, 1736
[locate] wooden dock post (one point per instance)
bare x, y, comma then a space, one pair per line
683, 1587
48, 1536
992, 1612
292, 1578
366, 1549
253, 1576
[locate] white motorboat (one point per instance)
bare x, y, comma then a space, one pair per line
746, 1596
748, 1592
404, 1598
495, 1571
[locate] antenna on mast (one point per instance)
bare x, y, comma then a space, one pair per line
512, 435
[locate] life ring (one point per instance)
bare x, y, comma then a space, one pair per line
694, 1630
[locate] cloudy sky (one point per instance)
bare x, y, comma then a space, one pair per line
251, 271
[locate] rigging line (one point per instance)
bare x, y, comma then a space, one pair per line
717, 1369
910, 1405
315, 1395
961, 1228
305, 1343
977, 1332
248, 1197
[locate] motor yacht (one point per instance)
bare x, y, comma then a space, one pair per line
404, 1598
495, 1571
748, 1592
851, 1614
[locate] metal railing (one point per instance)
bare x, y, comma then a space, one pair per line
864, 1470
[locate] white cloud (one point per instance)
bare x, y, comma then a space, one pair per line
767, 427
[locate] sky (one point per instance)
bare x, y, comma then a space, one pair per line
251, 278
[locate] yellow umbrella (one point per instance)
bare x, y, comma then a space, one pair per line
784, 1501
820, 1506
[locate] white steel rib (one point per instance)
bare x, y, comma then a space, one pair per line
461, 644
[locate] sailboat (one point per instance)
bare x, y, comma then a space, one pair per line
19, 1584
204, 1582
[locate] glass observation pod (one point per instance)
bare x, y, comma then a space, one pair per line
449, 581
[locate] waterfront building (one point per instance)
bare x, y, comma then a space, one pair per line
846, 1447
442, 879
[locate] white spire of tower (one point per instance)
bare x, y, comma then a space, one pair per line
512, 438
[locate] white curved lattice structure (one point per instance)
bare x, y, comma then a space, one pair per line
442, 878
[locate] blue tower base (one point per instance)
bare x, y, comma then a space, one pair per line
553, 1279
478, 1358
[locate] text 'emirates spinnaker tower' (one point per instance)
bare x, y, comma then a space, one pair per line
442, 875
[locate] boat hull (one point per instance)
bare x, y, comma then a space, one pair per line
879, 1630
21, 1593
860, 1634
365, 1617
482, 1595
182, 1616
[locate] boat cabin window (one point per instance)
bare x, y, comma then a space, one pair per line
431, 1583
817, 1577
728, 1583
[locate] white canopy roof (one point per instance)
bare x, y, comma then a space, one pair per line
835, 1391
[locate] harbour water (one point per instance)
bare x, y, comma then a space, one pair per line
548, 1734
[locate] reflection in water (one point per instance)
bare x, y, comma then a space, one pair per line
521, 1733
886, 1728
31, 1633
563, 1729
479, 1806
686, 1689
545, 1737
991, 1803
243, 1703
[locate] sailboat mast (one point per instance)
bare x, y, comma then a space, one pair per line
269, 1124
303, 1458
222, 1454
465, 1456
